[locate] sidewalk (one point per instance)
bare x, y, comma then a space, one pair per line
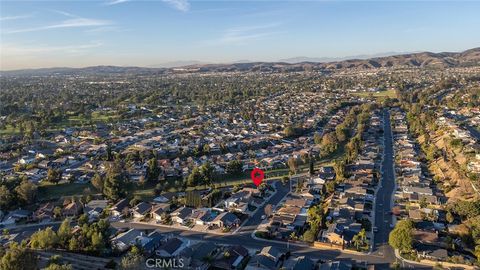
348, 251
181, 228
432, 263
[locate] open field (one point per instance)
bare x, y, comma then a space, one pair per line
70, 121
391, 93
8, 130
48, 191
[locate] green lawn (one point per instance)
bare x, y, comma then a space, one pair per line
147, 191
9, 130
70, 121
392, 93
48, 191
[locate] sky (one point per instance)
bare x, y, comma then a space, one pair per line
72, 33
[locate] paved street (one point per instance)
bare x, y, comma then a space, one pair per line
256, 219
384, 196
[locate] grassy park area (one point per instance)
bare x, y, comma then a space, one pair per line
48, 191
391, 93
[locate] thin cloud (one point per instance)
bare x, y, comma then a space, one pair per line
181, 5
116, 2
15, 49
18, 17
104, 29
76, 22
64, 13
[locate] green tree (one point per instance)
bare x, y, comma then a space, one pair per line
82, 219
477, 252
207, 171
339, 167
54, 266
193, 199
54, 175
329, 143
64, 232
26, 192
6, 198
401, 236
73, 244
97, 182
317, 138
315, 216
44, 239
195, 178
234, 167
114, 183
310, 235
57, 212
133, 260
289, 131
449, 217
153, 171
423, 202
17, 257
311, 167
341, 132
98, 243
293, 164
360, 240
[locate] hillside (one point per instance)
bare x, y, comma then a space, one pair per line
422, 60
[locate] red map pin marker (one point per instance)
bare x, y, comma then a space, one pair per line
257, 176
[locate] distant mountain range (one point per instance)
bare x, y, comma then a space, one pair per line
422, 59
292, 60
300, 59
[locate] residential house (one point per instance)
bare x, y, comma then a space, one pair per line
226, 220
236, 257
126, 239
433, 253
159, 210
118, 209
141, 210
45, 211
171, 248
199, 254
72, 209
95, 208
201, 216
267, 259
181, 215
304, 263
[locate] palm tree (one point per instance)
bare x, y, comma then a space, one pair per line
360, 239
